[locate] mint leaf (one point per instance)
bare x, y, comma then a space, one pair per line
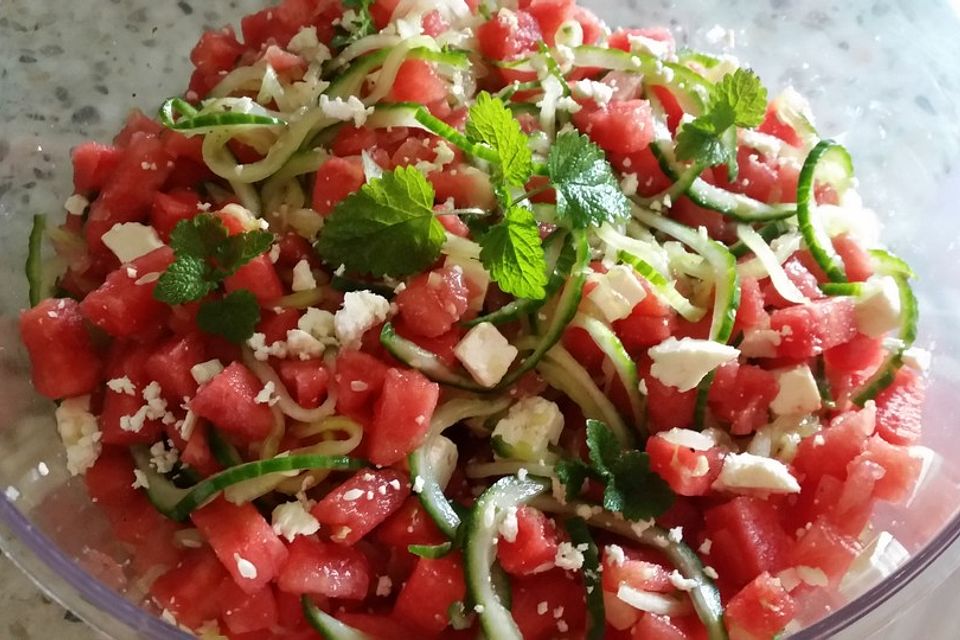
588, 193
188, 278
492, 123
738, 100
361, 25
512, 253
386, 228
205, 253
631, 487
572, 474
235, 317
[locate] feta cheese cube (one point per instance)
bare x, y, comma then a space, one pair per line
292, 519
320, 324
688, 438
616, 292
745, 472
302, 345
303, 279
533, 424
345, 110
568, 557
878, 309
684, 363
204, 372
361, 310
130, 240
798, 392
79, 432
441, 458
486, 354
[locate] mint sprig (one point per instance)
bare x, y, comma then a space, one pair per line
205, 254
588, 193
631, 488
360, 26
738, 100
512, 253
491, 123
387, 228
234, 317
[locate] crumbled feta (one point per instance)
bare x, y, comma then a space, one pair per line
616, 292
675, 535
76, 204
292, 519
307, 44
441, 459
320, 324
568, 104
568, 557
651, 46
798, 393
688, 438
418, 484
684, 363
130, 240
301, 344
122, 385
508, 18
345, 110
262, 351
12, 493
204, 372
361, 310
747, 472
917, 358
543, 607
509, 526
140, 480
43, 469
683, 584
706, 547
878, 309
245, 568
486, 354
163, 459
384, 586
599, 92
267, 394
79, 432
303, 279
615, 555
533, 424
629, 184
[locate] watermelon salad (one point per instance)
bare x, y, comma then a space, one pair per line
460, 319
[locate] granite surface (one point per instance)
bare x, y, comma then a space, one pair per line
881, 75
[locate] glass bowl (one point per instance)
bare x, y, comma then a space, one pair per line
880, 76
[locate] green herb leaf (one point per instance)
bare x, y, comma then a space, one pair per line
386, 228
572, 474
738, 100
513, 254
631, 487
491, 123
205, 255
588, 193
361, 25
235, 317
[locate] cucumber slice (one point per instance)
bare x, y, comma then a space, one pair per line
39, 289
223, 452
426, 362
727, 282
350, 81
480, 552
177, 504
663, 287
815, 237
328, 626
705, 596
768, 232
596, 616
909, 319
608, 342
179, 115
431, 551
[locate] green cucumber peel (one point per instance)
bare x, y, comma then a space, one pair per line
177, 504
34, 264
328, 626
426, 362
179, 115
431, 551
663, 287
814, 236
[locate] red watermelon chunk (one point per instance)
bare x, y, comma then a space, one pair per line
747, 539
417, 81
900, 408
63, 358
409, 525
432, 302
243, 541
741, 395
506, 36
831, 450
191, 590
358, 380
306, 380
170, 366
229, 402
247, 613
562, 595
258, 276
689, 472
760, 610
823, 547
336, 179
360, 504
620, 127
401, 418
808, 330
534, 547
427, 595
901, 470
93, 164
324, 569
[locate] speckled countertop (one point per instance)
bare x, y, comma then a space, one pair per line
70, 70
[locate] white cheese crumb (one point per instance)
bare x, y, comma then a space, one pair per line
320, 324
291, 519
352, 495
345, 110
79, 432
130, 240
675, 535
303, 279
43, 469
798, 393
684, 363
122, 385
508, 527
12, 493
76, 204
267, 394
629, 184
599, 92
543, 607
683, 584
384, 586
140, 480
245, 568
878, 309
486, 354
532, 424
706, 547
204, 372
568, 557
711, 573
614, 553
616, 292
163, 459
361, 310
747, 472
418, 484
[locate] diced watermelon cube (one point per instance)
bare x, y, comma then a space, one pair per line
823, 547
831, 450
306, 380
760, 610
170, 366
502, 38
534, 547
168, 209
651, 626
247, 612
93, 164
324, 569
336, 179
360, 504
401, 418
747, 539
741, 395
358, 379
800, 276
688, 472
108, 480
809, 329
243, 541
559, 592
425, 599
432, 302
409, 525
620, 127
550, 15
901, 469
468, 186
258, 276
229, 402
191, 590
64, 361
900, 408
418, 81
